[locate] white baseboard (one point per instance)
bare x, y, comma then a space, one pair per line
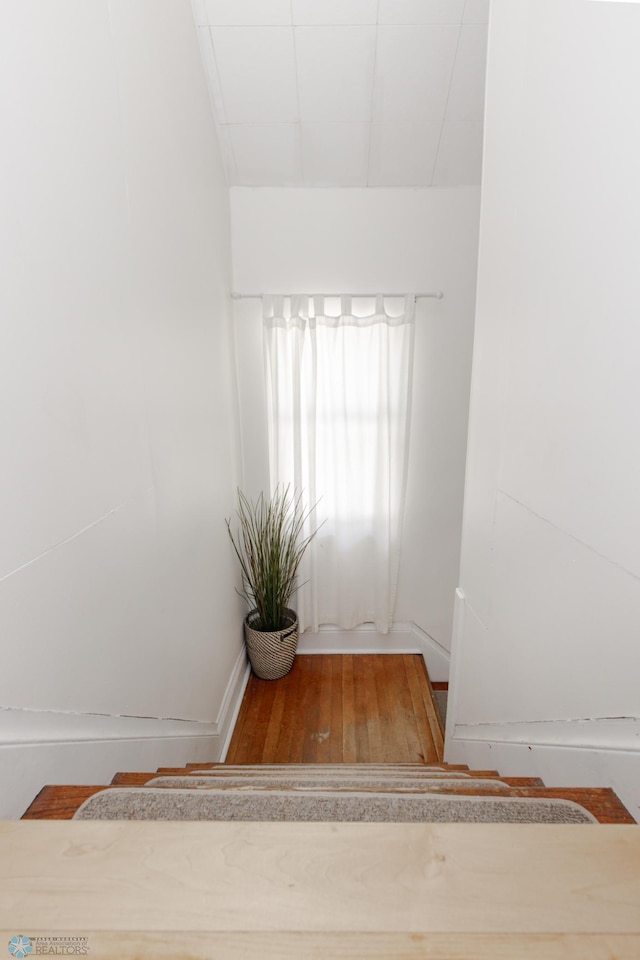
25, 768
230, 708
621, 733
239, 689
402, 638
459, 607
38, 747
563, 753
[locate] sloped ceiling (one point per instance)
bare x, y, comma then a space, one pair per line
347, 93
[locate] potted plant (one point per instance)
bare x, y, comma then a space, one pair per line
269, 544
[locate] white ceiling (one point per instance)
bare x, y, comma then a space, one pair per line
347, 93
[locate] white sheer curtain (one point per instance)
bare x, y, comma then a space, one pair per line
339, 390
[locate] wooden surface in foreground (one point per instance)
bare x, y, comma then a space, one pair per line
325, 890
354, 946
334, 708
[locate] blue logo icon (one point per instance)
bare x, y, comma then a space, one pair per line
20, 947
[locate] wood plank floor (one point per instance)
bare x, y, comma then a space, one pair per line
334, 708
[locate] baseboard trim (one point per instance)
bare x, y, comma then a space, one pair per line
459, 607
24, 727
599, 752
402, 638
25, 768
38, 747
44, 727
233, 717
233, 694
622, 733
584, 759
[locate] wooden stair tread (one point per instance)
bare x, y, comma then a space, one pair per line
55, 802
140, 778
418, 766
187, 771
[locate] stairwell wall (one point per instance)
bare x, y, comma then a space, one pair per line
546, 657
119, 425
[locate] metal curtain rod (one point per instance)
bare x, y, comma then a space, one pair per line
435, 295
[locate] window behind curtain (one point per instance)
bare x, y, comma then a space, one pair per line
339, 388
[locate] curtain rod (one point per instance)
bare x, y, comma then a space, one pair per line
435, 295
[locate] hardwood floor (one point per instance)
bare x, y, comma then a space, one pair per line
340, 709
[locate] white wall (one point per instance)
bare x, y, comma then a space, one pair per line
547, 649
359, 240
118, 433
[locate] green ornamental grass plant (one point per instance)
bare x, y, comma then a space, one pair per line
269, 544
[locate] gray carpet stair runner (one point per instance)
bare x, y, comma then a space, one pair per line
320, 769
300, 782
299, 770
440, 698
406, 793
143, 803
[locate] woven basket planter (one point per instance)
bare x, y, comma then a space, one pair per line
272, 654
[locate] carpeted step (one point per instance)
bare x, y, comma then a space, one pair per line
61, 802
308, 774
319, 773
139, 779
440, 699
249, 767
330, 783
267, 771
325, 766
322, 769
144, 803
